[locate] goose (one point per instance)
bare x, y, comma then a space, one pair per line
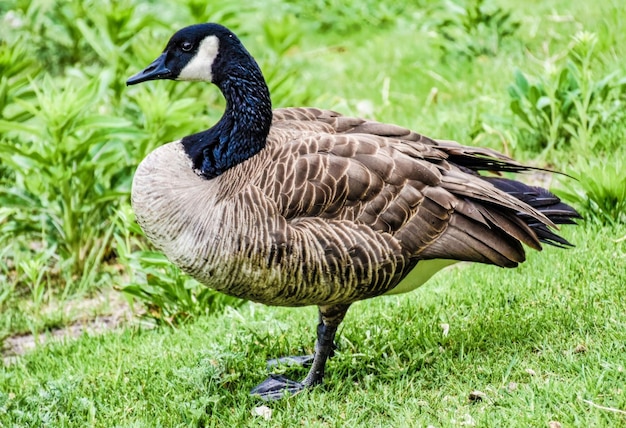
304, 206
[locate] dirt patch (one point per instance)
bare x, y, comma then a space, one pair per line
16, 346
105, 312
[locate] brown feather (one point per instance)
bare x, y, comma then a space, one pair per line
334, 209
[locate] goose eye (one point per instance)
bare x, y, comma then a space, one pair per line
186, 46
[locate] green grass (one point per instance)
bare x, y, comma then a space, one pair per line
537, 341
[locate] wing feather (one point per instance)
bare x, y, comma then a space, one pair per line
423, 198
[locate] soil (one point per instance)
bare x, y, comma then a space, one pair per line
89, 318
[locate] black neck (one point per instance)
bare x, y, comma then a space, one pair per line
242, 131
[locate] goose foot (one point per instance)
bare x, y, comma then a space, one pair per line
276, 387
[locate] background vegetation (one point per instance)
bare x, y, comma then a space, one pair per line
542, 82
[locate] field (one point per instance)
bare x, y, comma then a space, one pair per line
540, 345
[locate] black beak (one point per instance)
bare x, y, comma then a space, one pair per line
156, 70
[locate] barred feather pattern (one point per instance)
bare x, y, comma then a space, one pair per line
337, 209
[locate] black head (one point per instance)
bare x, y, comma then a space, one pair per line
195, 53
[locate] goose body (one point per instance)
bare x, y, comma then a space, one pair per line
327, 213
302, 206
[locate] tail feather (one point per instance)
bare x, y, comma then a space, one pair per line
543, 201
532, 221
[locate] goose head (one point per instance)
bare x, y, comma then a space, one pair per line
212, 53
203, 52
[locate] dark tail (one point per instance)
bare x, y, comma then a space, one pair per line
543, 201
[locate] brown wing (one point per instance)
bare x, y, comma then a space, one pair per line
397, 183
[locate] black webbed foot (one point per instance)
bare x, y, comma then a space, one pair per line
276, 387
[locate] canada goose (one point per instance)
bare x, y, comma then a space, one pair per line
302, 206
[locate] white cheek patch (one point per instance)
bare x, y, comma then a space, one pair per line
199, 68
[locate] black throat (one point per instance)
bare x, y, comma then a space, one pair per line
242, 131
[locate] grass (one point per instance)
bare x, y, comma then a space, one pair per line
537, 341
541, 342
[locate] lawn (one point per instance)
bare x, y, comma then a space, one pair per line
540, 345
541, 342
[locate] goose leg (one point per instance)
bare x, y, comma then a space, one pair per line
302, 360
279, 386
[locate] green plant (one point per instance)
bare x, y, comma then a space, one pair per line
600, 189
228, 14
7, 278
108, 29
171, 296
65, 178
54, 38
17, 68
35, 272
473, 29
281, 38
567, 107
348, 16
166, 112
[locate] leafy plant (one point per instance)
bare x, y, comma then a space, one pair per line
348, 16
52, 32
228, 14
171, 297
163, 115
281, 37
600, 192
36, 272
473, 29
16, 69
65, 166
7, 290
569, 105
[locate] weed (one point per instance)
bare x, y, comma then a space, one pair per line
281, 37
570, 110
63, 190
347, 16
565, 108
171, 296
600, 191
16, 70
473, 29
7, 290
